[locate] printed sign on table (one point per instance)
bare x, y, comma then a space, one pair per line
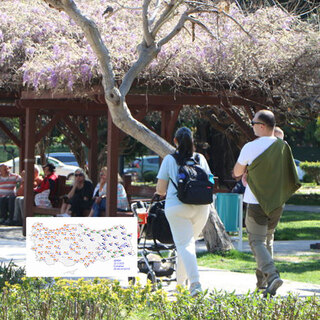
81, 247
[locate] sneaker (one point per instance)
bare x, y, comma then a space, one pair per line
273, 286
195, 289
63, 215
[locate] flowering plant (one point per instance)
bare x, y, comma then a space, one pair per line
268, 49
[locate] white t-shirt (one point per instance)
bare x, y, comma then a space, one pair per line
169, 169
249, 152
122, 199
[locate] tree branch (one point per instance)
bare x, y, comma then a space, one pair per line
146, 55
165, 16
203, 26
146, 32
175, 30
155, 12
92, 35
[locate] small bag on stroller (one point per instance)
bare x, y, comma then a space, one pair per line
158, 227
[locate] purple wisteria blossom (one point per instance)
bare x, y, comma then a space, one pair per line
43, 48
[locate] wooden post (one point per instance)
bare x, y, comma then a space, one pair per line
93, 151
22, 144
29, 164
168, 122
165, 120
112, 164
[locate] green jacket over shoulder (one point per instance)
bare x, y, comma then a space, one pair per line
273, 177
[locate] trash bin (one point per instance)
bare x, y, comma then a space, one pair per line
229, 208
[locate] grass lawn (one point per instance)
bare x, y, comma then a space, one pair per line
297, 268
294, 225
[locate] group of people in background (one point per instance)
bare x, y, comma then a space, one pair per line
83, 200
12, 192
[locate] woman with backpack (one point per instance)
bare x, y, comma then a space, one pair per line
186, 220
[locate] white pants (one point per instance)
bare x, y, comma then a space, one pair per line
186, 223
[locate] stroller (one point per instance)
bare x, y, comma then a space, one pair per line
155, 244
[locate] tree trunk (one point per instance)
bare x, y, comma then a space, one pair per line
215, 235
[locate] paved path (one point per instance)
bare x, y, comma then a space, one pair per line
13, 246
293, 207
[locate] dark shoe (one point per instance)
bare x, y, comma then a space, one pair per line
16, 223
315, 246
273, 286
8, 222
261, 280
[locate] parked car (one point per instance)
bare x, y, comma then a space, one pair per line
141, 166
61, 168
65, 157
301, 172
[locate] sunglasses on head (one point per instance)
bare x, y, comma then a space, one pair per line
78, 175
256, 122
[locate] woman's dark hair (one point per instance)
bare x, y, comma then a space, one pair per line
50, 166
185, 144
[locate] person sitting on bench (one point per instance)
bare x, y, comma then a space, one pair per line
19, 201
78, 201
8, 183
100, 193
47, 188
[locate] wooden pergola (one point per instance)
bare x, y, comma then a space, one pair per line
28, 105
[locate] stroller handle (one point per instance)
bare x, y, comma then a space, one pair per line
157, 197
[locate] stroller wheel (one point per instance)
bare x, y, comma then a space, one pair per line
152, 277
132, 280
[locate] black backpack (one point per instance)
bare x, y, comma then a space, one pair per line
193, 186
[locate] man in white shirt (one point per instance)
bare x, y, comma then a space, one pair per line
261, 223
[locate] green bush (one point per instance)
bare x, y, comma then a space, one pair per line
312, 169
10, 273
104, 299
150, 176
307, 178
312, 199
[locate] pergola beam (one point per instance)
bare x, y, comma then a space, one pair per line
76, 131
5, 129
49, 126
237, 119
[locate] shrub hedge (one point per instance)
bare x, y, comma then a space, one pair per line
312, 169
312, 199
36, 298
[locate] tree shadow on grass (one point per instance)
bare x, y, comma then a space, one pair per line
298, 267
302, 233
289, 216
